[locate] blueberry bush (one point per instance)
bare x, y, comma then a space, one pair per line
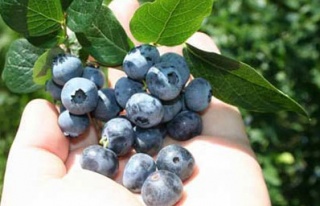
276, 40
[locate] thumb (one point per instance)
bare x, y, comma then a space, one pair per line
37, 154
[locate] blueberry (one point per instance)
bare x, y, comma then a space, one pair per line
136, 171
164, 81
79, 96
107, 107
66, 67
198, 94
179, 62
162, 188
125, 88
176, 159
95, 75
117, 135
171, 108
73, 125
54, 89
138, 61
185, 125
100, 160
144, 110
147, 140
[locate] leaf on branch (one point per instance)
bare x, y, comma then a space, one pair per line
18, 68
237, 83
81, 13
169, 23
105, 39
32, 17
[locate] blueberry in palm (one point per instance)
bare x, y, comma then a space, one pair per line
136, 171
79, 96
147, 140
107, 107
139, 59
73, 125
162, 188
176, 159
100, 160
66, 67
144, 110
185, 125
118, 136
198, 94
125, 88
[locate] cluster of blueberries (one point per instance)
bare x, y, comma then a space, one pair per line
155, 99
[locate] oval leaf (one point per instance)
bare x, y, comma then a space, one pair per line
237, 83
105, 39
43, 65
49, 40
81, 14
20, 59
169, 22
32, 17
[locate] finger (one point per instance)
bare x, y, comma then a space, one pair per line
37, 153
124, 10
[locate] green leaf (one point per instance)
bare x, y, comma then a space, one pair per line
81, 14
20, 59
43, 65
105, 39
32, 17
49, 40
169, 22
237, 83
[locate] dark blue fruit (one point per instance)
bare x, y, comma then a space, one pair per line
198, 94
73, 125
179, 62
176, 159
147, 140
164, 81
162, 188
100, 160
66, 67
185, 125
171, 108
139, 60
144, 110
107, 107
79, 96
125, 88
136, 171
54, 89
95, 75
117, 135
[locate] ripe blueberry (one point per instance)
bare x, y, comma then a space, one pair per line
73, 125
136, 171
147, 140
66, 67
79, 96
95, 75
185, 125
100, 160
144, 110
138, 61
117, 135
162, 188
198, 94
176, 159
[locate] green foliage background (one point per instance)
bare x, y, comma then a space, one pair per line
279, 38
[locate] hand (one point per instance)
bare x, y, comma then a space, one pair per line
43, 165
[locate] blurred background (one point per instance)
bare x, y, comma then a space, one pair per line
281, 39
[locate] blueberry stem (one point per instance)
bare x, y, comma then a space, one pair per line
104, 142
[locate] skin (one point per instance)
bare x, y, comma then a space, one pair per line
43, 166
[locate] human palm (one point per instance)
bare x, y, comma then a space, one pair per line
43, 166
